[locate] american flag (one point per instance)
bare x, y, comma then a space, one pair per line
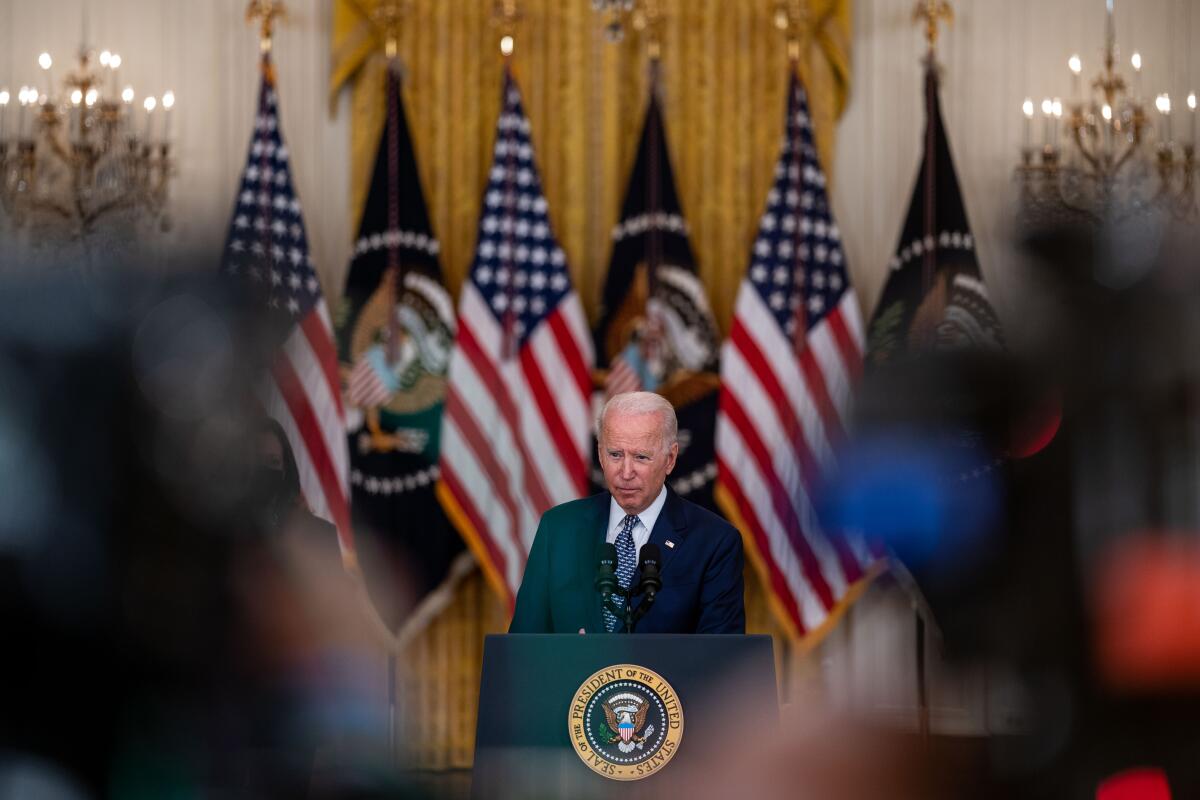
517, 427
788, 370
625, 375
267, 252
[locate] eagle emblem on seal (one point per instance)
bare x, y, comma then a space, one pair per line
625, 714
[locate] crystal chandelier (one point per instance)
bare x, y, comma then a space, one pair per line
72, 156
1107, 159
641, 14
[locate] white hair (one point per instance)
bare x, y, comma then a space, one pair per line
635, 404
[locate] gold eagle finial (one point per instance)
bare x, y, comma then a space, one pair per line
264, 12
932, 13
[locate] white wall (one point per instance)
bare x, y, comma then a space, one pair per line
996, 53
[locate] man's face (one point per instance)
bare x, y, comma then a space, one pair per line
634, 459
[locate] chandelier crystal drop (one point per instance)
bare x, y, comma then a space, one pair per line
1101, 156
77, 152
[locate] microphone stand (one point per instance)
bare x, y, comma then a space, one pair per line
648, 597
647, 587
625, 611
634, 616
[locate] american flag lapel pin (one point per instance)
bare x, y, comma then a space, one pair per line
670, 544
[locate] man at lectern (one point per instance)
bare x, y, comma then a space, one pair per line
698, 554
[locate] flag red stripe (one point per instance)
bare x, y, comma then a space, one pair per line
322, 347
778, 582
296, 397
850, 566
571, 459
463, 498
571, 354
851, 357
851, 569
814, 380
621, 378
780, 500
499, 392
482, 450
365, 388
742, 339
748, 347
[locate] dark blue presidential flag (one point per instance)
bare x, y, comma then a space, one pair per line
656, 330
934, 297
395, 330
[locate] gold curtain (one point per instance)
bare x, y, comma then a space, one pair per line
725, 71
724, 85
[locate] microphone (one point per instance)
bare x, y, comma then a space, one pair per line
651, 581
606, 569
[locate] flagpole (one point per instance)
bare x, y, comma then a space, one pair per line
932, 13
508, 349
800, 316
505, 18
649, 20
653, 189
929, 256
653, 240
391, 12
391, 683
386, 17
653, 250
265, 13
395, 269
789, 18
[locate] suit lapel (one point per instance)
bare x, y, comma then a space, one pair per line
669, 527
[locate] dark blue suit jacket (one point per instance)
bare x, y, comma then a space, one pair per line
701, 572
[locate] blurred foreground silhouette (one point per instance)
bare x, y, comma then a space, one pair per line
170, 629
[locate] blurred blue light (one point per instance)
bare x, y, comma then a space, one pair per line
932, 500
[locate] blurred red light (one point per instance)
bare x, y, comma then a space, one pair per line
1147, 613
1147, 783
1034, 431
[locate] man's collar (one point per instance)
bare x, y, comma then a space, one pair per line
647, 517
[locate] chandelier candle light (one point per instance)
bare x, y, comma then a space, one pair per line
1110, 166
643, 15
75, 153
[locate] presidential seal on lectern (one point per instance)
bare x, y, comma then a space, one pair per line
625, 722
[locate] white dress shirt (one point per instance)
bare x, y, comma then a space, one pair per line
641, 530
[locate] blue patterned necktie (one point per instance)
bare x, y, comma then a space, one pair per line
626, 564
